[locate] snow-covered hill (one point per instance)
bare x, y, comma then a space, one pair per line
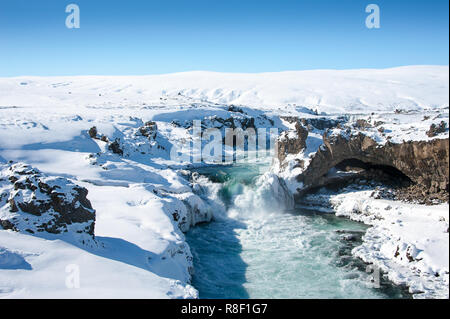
330, 91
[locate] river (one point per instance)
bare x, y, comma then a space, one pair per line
254, 249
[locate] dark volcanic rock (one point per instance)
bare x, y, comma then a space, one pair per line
149, 130
115, 147
435, 130
235, 109
321, 123
362, 124
34, 203
288, 144
425, 163
237, 119
93, 132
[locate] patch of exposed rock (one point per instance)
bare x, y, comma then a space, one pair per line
149, 130
318, 123
291, 142
436, 129
137, 142
115, 147
33, 203
238, 119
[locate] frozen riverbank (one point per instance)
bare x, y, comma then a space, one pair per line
408, 242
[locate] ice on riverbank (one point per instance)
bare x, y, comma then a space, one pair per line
409, 242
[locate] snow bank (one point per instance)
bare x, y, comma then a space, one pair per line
142, 207
408, 242
32, 267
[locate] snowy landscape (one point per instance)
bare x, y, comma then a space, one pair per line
94, 204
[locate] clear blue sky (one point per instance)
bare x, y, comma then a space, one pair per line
136, 37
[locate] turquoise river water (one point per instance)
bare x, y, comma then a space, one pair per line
254, 251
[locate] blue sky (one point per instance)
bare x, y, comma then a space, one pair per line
137, 37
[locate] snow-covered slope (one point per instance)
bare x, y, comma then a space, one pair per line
141, 207
330, 91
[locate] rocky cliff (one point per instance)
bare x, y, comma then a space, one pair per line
33, 203
291, 142
419, 168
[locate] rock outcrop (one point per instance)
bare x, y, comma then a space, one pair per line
426, 163
115, 147
291, 142
33, 203
237, 119
436, 129
136, 139
356, 149
149, 130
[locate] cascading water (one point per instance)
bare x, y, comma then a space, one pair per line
259, 247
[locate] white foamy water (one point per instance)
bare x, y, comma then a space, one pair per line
260, 250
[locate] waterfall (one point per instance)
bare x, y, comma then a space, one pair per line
269, 195
245, 193
258, 246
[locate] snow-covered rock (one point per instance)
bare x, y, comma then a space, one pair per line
34, 203
400, 140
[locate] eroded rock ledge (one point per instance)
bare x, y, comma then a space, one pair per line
424, 162
423, 166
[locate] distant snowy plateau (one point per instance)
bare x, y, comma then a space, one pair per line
93, 206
